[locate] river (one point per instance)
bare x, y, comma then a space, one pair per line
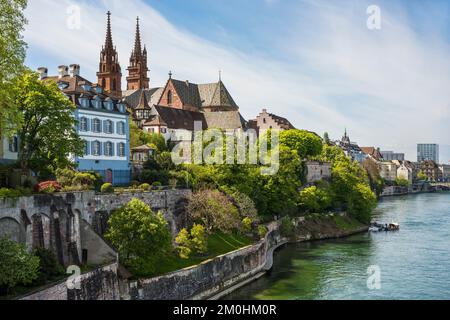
413, 263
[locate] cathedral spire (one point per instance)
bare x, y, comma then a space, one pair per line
137, 71
109, 74
137, 41
108, 40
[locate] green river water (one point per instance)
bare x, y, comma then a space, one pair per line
413, 263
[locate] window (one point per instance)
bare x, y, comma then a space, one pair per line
86, 148
121, 150
108, 149
264, 120
146, 114
103, 80
121, 127
163, 130
139, 114
96, 148
169, 97
114, 84
108, 126
97, 125
84, 124
122, 108
14, 144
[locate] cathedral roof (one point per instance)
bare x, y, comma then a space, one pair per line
180, 119
216, 95
224, 120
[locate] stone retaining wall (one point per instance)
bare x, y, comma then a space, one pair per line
210, 277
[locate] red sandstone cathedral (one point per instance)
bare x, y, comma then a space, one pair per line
178, 104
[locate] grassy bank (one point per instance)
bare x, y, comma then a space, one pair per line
317, 227
218, 244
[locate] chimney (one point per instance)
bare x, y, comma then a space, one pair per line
43, 72
62, 71
74, 70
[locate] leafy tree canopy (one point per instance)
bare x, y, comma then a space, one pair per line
12, 53
47, 134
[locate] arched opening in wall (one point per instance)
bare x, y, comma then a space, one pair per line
58, 236
10, 228
37, 229
169, 97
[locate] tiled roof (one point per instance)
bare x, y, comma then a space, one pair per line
152, 95
372, 151
282, 122
180, 119
216, 95
143, 148
224, 120
155, 121
75, 91
187, 92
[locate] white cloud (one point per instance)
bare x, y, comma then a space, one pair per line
387, 87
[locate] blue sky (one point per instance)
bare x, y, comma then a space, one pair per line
314, 62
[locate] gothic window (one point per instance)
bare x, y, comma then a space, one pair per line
97, 125
13, 144
108, 149
104, 80
264, 120
169, 97
84, 124
114, 84
121, 149
96, 148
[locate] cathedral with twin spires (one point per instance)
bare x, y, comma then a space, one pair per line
172, 107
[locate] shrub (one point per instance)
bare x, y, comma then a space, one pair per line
134, 183
214, 210
199, 243
48, 265
287, 227
48, 187
184, 244
74, 180
6, 193
245, 205
107, 188
144, 187
247, 225
141, 237
156, 185
149, 175
17, 266
262, 231
195, 241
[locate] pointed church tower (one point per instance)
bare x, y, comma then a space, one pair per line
109, 74
137, 71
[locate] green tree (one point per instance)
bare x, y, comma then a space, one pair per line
421, 176
195, 241
47, 133
12, 53
138, 138
140, 236
402, 182
306, 143
214, 210
326, 139
314, 199
17, 266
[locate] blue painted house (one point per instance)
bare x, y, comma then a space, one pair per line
103, 123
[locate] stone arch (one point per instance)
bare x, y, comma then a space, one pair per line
10, 228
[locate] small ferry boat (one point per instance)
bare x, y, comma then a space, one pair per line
377, 227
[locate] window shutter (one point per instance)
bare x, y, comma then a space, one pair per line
92, 147
112, 149
112, 127
87, 124
118, 149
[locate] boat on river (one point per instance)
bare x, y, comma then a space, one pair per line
377, 227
